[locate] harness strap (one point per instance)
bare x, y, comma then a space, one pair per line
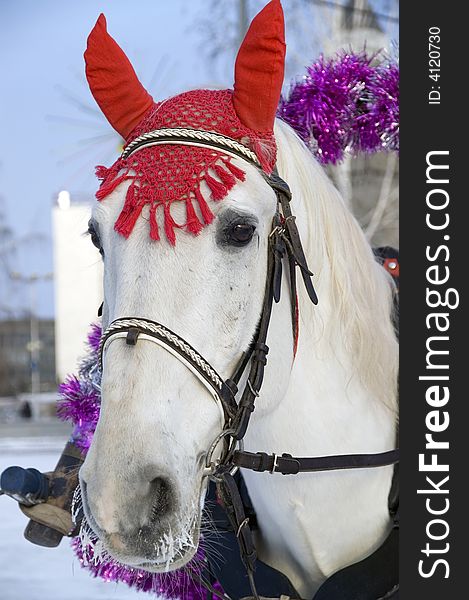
259, 349
284, 239
192, 137
291, 465
231, 572
292, 238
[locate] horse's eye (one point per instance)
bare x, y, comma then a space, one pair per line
241, 234
95, 238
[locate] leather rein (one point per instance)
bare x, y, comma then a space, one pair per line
284, 245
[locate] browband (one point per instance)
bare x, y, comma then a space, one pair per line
191, 137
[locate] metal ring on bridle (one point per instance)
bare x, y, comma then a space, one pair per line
214, 444
210, 466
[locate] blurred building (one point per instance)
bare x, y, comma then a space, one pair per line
78, 277
368, 183
355, 25
15, 356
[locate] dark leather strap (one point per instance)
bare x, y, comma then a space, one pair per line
291, 465
258, 350
228, 567
292, 238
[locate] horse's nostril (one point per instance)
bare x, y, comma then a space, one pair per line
160, 493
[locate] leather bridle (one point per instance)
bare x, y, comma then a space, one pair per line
284, 245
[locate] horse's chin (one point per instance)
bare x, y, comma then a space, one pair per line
179, 563
177, 551
183, 556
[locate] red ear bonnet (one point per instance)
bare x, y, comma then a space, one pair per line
113, 82
259, 69
160, 175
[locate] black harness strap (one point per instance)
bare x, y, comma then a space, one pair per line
292, 239
291, 465
258, 350
231, 571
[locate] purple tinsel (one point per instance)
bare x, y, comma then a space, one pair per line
80, 403
80, 396
345, 104
94, 337
175, 585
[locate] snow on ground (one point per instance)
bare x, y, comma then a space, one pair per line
30, 572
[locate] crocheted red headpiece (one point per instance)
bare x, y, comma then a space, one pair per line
163, 174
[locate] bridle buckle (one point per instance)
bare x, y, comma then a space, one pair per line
274, 465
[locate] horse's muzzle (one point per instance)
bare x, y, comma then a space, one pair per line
131, 530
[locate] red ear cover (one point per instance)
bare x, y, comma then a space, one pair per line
113, 82
259, 69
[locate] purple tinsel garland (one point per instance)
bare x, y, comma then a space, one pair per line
80, 403
345, 104
80, 397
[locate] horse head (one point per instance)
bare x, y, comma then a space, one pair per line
184, 233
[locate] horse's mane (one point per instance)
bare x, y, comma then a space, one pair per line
355, 292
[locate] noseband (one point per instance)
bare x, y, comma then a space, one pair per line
284, 244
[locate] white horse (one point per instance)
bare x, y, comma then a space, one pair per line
143, 479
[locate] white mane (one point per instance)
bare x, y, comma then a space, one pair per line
353, 289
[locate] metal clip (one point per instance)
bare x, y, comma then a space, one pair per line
274, 466
277, 230
241, 525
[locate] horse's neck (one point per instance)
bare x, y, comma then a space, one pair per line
314, 524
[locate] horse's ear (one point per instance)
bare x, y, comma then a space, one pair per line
259, 69
113, 81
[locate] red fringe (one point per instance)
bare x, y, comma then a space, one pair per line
101, 172
169, 225
266, 164
227, 178
192, 224
238, 173
207, 214
130, 213
154, 231
109, 186
219, 190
